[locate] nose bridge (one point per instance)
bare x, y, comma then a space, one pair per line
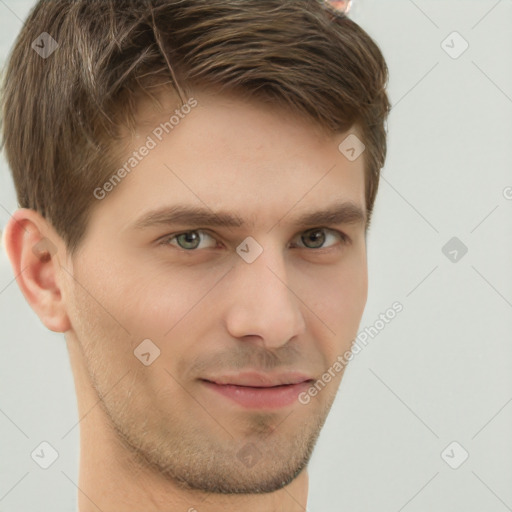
264, 304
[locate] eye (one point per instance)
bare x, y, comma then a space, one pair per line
312, 239
315, 238
189, 240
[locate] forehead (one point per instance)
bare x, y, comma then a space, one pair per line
228, 154
151, 108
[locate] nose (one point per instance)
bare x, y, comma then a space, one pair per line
264, 304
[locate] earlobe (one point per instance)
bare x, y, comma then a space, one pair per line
33, 250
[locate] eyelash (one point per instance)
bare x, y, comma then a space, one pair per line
345, 240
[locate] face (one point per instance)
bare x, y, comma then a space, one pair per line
238, 317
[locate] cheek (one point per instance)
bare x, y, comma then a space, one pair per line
160, 305
168, 307
341, 305
101, 311
340, 291
337, 298
172, 291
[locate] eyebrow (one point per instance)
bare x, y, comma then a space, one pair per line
340, 213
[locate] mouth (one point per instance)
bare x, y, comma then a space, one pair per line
256, 391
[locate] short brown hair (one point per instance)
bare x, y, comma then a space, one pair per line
62, 114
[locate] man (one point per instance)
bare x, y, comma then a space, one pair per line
195, 180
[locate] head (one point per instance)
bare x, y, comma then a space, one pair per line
190, 215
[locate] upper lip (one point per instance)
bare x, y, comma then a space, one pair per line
260, 380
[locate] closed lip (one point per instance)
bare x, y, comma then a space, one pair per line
259, 380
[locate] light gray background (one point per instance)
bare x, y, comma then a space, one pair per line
440, 371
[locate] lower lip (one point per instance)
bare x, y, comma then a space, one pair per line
260, 398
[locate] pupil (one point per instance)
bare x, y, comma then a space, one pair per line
317, 236
189, 238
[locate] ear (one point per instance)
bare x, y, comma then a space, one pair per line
33, 248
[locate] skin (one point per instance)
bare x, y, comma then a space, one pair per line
153, 437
